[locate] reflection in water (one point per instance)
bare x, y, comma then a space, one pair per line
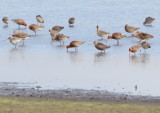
16, 54
74, 56
142, 58
100, 57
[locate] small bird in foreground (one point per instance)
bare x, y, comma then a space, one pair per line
71, 21
5, 21
57, 28
40, 19
61, 38
14, 40
101, 33
142, 35
130, 29
100, 46
116, 36
148, 21
35, 28
74, 44
145, 45
134, 49
22, 35
19, 22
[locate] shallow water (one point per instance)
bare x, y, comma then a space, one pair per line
52, 67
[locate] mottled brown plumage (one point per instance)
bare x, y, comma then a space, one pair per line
53, 33
134, 49
116, 36
71, 21
35, 28
19, 22
145, 45
5, 21
148, 21
100, 46
142, 35
74, 44
14, 40
101, 33
40, 19
61, 38
130, 29
57, 28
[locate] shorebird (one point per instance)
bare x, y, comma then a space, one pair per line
74, 44
19, 22
130, 29
145, 45
61, 38
22, 35
14, 40
53, 33
134, 49
5, 21
117, 36
148, 21
136, 87
100, 46
35, 28
101, 33
40, 19
142, 35
71, 21
57, 28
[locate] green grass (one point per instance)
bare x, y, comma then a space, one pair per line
41, 105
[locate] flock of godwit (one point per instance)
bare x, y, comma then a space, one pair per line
18, 36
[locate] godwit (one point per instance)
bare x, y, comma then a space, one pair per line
57, 28
74, 44
14, 40
100, 46
40, 19
5, 21
22, 35
19, 22
61, 38
35, 28
148, 21
71, 21
101, 33
130, 29
142, 35
134, 49
117, 36
145, 45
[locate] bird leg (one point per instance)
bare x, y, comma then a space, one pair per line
117, 42
35, 33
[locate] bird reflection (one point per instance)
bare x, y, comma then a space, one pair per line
143, 58
100, 57
16, 54
74, 56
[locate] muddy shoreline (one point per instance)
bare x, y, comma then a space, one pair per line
8, 89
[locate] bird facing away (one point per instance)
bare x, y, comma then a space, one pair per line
116, 36
100, 46
71, 21
142, 35
19, 22
145, 45
74, 44
14, 40
5, 21
61, 38
22, 35
130, 29
101, 33
35, 28
53, 33
134, 49
40, 19
57, 28
148, 21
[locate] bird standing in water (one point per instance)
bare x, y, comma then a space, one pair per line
116, 36
101, 33
61, 38
14, 40
148, 21
35, 28
71, 21
74, 44
5, 21
57, 28
134, 49
40, 19
145, 45
100, 46
19, 22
